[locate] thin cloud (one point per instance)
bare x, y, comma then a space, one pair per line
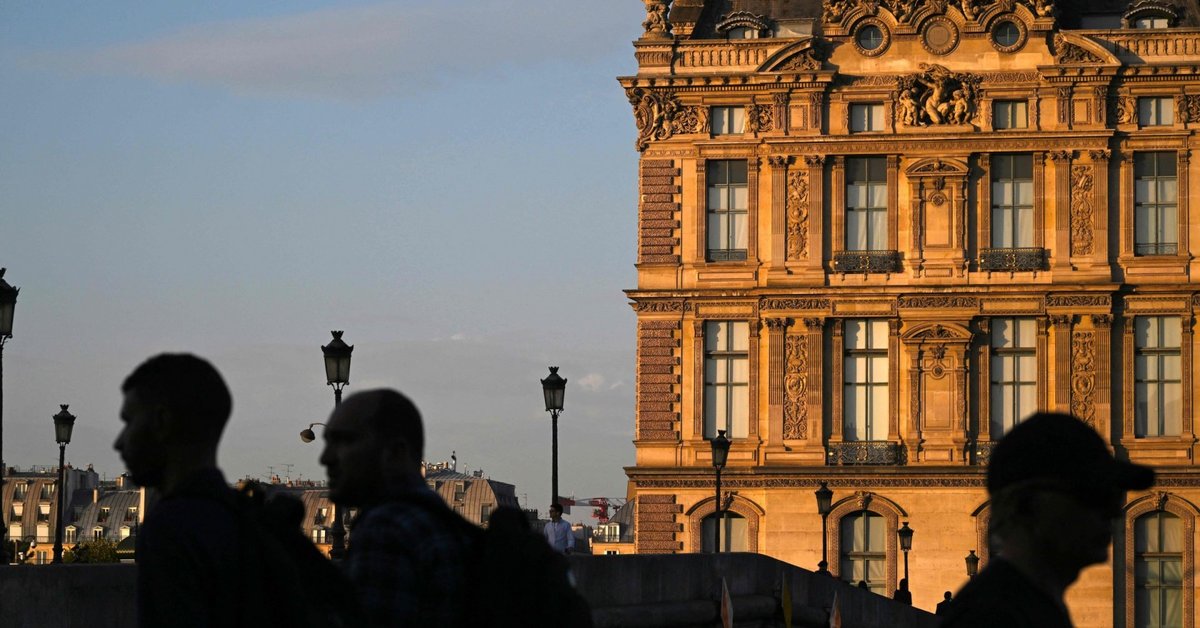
592, 382
369, 52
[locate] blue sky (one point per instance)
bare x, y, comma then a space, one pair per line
451, 182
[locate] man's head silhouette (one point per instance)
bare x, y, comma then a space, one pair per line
374, 443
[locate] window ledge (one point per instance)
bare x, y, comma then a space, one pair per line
1162, 450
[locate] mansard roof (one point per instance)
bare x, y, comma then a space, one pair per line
706, 15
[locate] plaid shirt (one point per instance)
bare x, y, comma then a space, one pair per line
408, 563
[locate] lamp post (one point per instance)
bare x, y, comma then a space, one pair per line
307, 435
337, 374
8, 303
720, 455
905, 533
64, 422
824, 506
972, 564
554, 389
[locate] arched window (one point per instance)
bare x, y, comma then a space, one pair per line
1158, 570
734, 533
863, 550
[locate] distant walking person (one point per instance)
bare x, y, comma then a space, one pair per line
205, 559
944, 605
1055, 490
408, 553
903, 595
558, 532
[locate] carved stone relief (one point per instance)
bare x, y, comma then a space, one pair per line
939, 301
1082, 218
906, 10
759, 118
693, 119
655, 113
1083, 375
656, 25
1078, 300
1066, 52
797, 214
795, 304
1125, 110
795, 386
937, 96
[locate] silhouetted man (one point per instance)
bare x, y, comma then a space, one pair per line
558, 532
175, 408
407, 558
1055, 491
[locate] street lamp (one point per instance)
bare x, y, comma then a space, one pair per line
337, 374
307, 435
554, 389
824, 506
905, 533
64, 422
972, 564
337, 364
720, 455
8, 303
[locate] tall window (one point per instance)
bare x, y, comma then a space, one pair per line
1013, 371
318, 535
20, 490
728, 120
1010, 114
866, 204
70, 534
1155, 210
866, 117
726, 378
1158, 570
1157, 376
865, 400
733, 533
1156, 111
864, 556
1012, 201
728, 210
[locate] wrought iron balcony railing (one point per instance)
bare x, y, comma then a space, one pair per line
1156, 248
866, 261
1030, 258
864, 452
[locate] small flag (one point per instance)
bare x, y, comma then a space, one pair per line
726, 606
786, 601
835, 614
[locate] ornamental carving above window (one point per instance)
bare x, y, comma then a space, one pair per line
937, 96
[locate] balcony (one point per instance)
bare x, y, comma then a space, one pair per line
1013, 260
866, 261
864, 453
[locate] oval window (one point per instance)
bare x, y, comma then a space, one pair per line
870, 37
1007, 34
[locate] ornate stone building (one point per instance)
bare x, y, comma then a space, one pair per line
874, 234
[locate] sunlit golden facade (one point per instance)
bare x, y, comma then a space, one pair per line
874, 234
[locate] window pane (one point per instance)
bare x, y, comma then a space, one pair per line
879, 413
877, 240
1172, 533
879, 333
1172, 409
740, 411
856, 334
738, 239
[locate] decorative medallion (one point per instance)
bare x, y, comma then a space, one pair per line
939, 35
1009, 34
872, 37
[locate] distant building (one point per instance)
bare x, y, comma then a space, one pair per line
29, 505
473, 496
616, 535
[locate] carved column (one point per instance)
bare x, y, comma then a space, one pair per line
814, 336
1185, 158
1103, 399
698, 379
983, 432
1062, 209
893, 379
985, 202
1062, 361
752, 393
752, 165
839, 381
893, 184
700, 217
816, 214
782, 119
1100, 206
1125, 210
1187, 325
1084, 373
1039, 200
1128, 405
838, 201
776, 330
779, 210
1043, 361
